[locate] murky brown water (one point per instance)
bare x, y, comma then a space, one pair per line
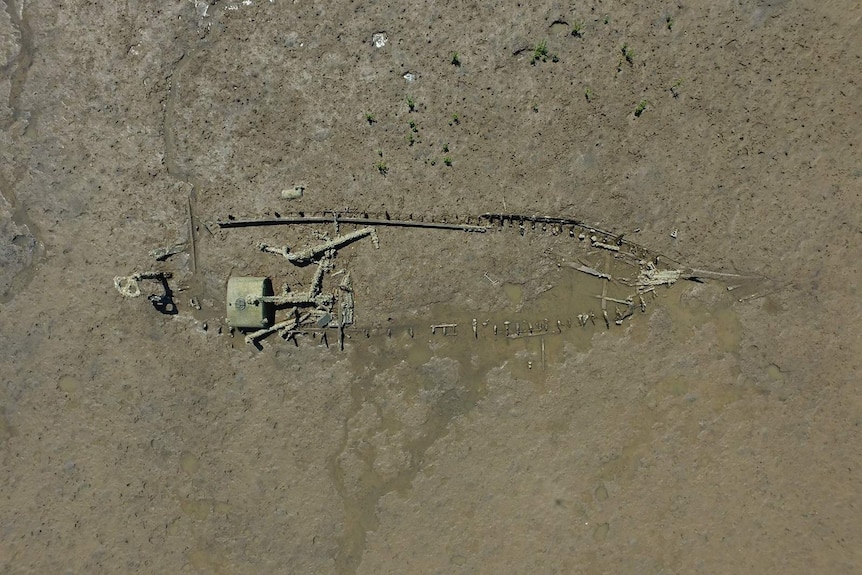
413, 380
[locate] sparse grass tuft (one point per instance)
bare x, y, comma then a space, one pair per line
674, 89
588, 94
628, 54
382, 167
540, 52
455, 120
641, 107
370, 118
447, 160
669, 21
411, 104
445, 148
578, 29
456, 59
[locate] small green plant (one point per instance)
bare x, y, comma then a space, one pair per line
456, 59
370, 118
411, 104
669, 21
413, 127
411, 140
445, 148
433, 162
607, 20
641, 107
589, 94
380, 153
674, 89
628, 54
447, 160
540, 52
578, 29
555, 58
455, 119
382, 167
535, 107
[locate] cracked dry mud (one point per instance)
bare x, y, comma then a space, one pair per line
705, 434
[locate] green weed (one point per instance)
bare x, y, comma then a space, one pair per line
578, 29
540, 52
628, 54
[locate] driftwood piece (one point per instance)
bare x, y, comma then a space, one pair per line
587, 270
310, 253
287, 325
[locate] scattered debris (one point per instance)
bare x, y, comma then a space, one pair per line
129, 286
161, 254
615, 300
444, 327
650, 277
494, 282
543, 354
379, 39
604, 246
347, 301
285, 326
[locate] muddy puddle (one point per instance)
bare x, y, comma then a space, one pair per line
22, 251
20, 246
412, 381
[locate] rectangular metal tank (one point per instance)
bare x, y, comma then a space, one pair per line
244, 308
